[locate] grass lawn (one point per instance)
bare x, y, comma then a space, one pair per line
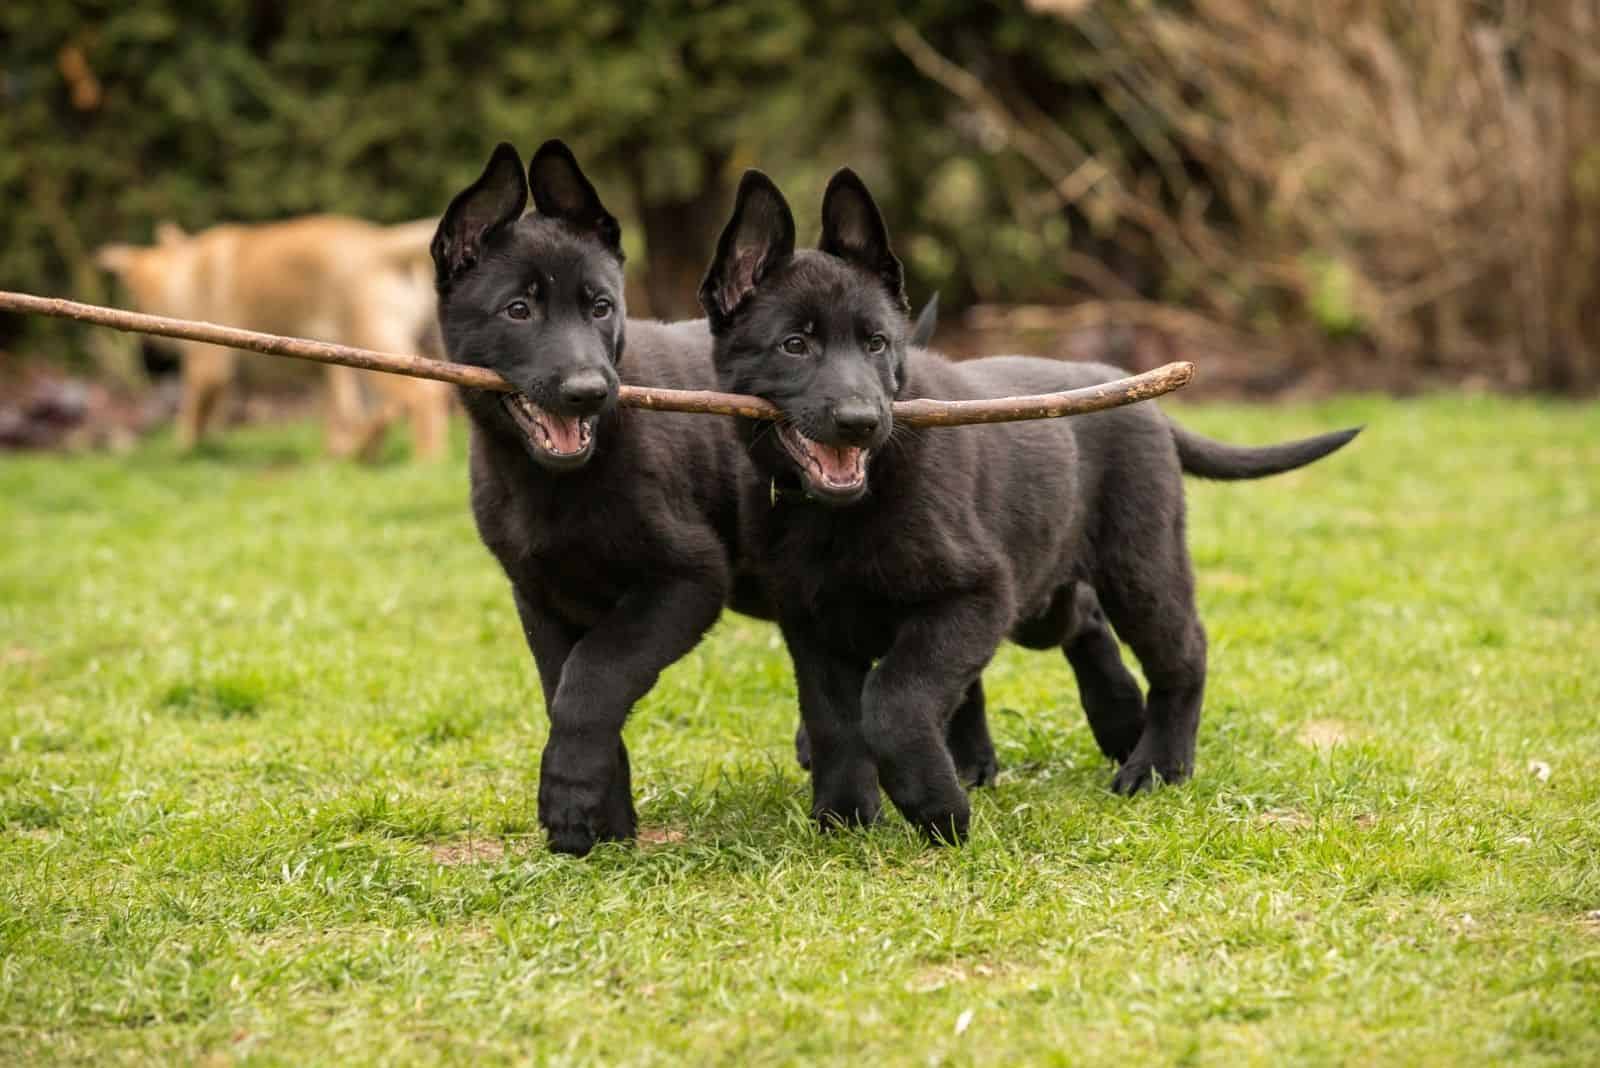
269, 738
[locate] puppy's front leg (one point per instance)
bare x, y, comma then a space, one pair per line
610, 668
551, 639
934, 659
844, 781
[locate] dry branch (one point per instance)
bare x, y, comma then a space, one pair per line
924, 413
1098, 398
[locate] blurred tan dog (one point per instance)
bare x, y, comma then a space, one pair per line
322, 276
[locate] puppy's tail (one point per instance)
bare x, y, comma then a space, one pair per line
1212, 459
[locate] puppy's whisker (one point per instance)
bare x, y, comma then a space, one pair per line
900, 436
769, 428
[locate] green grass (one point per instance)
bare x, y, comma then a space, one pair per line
269, 739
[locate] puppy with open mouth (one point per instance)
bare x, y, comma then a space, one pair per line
618, 530
900, 559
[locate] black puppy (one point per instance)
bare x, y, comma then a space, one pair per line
900, 559
619, 530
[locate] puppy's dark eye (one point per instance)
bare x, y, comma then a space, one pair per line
519, 309
795, 345
601, 309
876, 344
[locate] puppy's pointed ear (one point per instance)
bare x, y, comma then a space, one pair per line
495, 200
757, 240
853, 230
561, 191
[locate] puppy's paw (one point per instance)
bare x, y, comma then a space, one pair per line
930, 797
1134, 777
575, 840
977, 770
845, 813
1146, 768
578, 814
844, 791
575, 833
942, 827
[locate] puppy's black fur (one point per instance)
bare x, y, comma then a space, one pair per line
900, 558
618, 529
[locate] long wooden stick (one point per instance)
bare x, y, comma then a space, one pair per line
919, 413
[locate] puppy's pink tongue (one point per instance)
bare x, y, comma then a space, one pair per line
839, 463
565, 432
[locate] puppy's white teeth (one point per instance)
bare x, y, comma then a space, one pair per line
555, 434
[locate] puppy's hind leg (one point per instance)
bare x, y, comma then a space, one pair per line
1148, 592
844, 781
1110, 694
967, 735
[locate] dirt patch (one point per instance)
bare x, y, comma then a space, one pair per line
1287, 819
1590, 922
1324, 734
18, 654
483, 849
938, 976
470, 850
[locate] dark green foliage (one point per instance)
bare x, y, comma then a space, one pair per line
116, 116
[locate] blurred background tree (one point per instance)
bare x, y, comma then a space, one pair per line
1383, 192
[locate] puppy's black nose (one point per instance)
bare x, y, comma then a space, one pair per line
856, 421
586, 390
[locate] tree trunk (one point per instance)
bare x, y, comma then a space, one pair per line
679, 234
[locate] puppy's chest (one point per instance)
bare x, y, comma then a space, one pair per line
853, 585
580, 557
